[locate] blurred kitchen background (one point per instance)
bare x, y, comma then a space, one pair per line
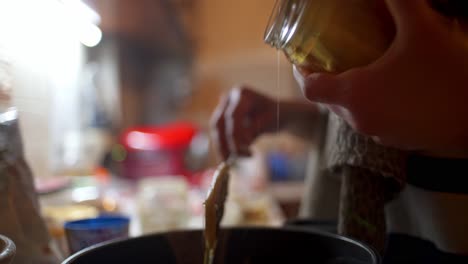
115, 98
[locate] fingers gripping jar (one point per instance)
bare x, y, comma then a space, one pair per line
330, 35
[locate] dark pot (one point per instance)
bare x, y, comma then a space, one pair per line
236, 245
312, 224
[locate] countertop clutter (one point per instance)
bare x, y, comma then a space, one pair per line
153, 204
114, 117
158, 179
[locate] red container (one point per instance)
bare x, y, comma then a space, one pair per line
157, 150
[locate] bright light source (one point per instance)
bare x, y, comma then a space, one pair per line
84, 21
90, 35
82, 11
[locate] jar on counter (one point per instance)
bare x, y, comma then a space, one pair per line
163, 203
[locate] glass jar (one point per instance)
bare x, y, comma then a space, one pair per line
163, 203
330, 35
336, 35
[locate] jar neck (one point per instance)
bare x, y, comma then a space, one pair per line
283, 22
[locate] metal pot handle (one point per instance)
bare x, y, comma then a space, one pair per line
7, 250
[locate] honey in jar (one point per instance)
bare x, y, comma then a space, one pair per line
337, 35
330, 35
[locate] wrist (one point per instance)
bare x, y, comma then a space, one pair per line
299, 118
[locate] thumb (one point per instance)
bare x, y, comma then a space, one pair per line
317, 87
323, 88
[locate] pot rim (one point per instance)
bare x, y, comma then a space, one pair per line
287, 229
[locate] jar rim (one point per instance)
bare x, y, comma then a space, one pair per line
283, 22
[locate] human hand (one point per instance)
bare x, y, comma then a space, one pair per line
241, 116
414, 96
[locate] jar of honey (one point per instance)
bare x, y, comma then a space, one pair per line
336, 35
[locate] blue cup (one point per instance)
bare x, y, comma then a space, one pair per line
87, 232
